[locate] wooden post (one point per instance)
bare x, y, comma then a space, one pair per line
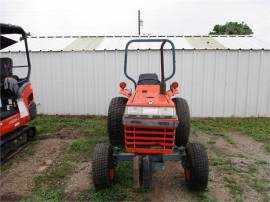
136, 172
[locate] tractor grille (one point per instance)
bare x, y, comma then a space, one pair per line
148, 140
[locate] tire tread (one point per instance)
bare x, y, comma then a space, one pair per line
114, 121
183, 128
199, 166
100, 165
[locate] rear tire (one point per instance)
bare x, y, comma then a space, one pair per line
196, 167
183, 128
103, 168
114, 121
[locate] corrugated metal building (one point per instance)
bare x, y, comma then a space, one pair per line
220, 76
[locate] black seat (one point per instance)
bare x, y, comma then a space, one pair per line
6, 65
148, 79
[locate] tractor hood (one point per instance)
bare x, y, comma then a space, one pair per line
149, 96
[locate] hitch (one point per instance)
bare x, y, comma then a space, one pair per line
145, 164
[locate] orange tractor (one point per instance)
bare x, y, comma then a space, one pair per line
154, 126
17, 101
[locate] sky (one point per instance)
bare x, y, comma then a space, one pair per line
119, 17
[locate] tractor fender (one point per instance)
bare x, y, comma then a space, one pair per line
21, 89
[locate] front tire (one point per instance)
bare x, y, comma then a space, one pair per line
114, 121
196, 167
183, 128
103, 168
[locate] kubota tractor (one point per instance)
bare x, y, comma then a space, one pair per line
153, 125
17, 101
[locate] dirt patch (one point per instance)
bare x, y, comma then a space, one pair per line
216, 186
79, 181
241, 156
17, 181
169, 184
68, 133
241, 152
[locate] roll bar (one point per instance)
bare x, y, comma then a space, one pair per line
163, 42
13, 29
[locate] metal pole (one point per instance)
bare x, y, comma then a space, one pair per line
139, 22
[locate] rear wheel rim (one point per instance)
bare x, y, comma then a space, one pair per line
111, 173
187, 173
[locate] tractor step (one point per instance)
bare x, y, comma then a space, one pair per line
15, 141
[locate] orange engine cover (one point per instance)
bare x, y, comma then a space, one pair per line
149, 96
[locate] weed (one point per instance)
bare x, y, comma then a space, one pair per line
252, 170
61, 171
267, 147
211, 142
38, 180
81, 145
122, 189
29, 150
222, 164
262, 162
234, 189
262, 186
47, 195
4, 167
204, 197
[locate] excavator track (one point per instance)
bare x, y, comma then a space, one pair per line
15, 141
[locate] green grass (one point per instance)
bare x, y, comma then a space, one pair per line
257, 128
262, 162
218, 162
226, 136
47, 195
262, 186
49, 185
267, 147
29, 150
47, 125
224, 165
211, 142
122, 189
204, 197
234, 189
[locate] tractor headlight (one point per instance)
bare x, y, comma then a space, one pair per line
162, 112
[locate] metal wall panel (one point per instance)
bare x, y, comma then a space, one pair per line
216, 83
